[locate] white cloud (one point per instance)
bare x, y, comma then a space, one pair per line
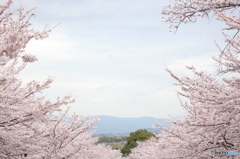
111, 55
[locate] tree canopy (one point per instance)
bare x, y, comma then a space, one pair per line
212, 124
139, 135
26, 128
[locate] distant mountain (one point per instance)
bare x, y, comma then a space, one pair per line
116, 125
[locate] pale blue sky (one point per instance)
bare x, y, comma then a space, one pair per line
111, 55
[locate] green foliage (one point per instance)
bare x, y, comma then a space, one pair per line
111, 139
139, 135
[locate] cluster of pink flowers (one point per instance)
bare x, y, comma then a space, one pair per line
26, 128
212, 104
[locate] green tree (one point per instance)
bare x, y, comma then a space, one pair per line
139, 135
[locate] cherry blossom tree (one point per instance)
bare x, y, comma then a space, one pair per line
212, 124
26, 128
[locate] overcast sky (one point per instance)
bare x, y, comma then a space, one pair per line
111, 55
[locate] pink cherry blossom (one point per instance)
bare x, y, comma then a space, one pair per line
26, 128
211, 102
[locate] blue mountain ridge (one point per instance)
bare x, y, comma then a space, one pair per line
110, 125
114, 125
